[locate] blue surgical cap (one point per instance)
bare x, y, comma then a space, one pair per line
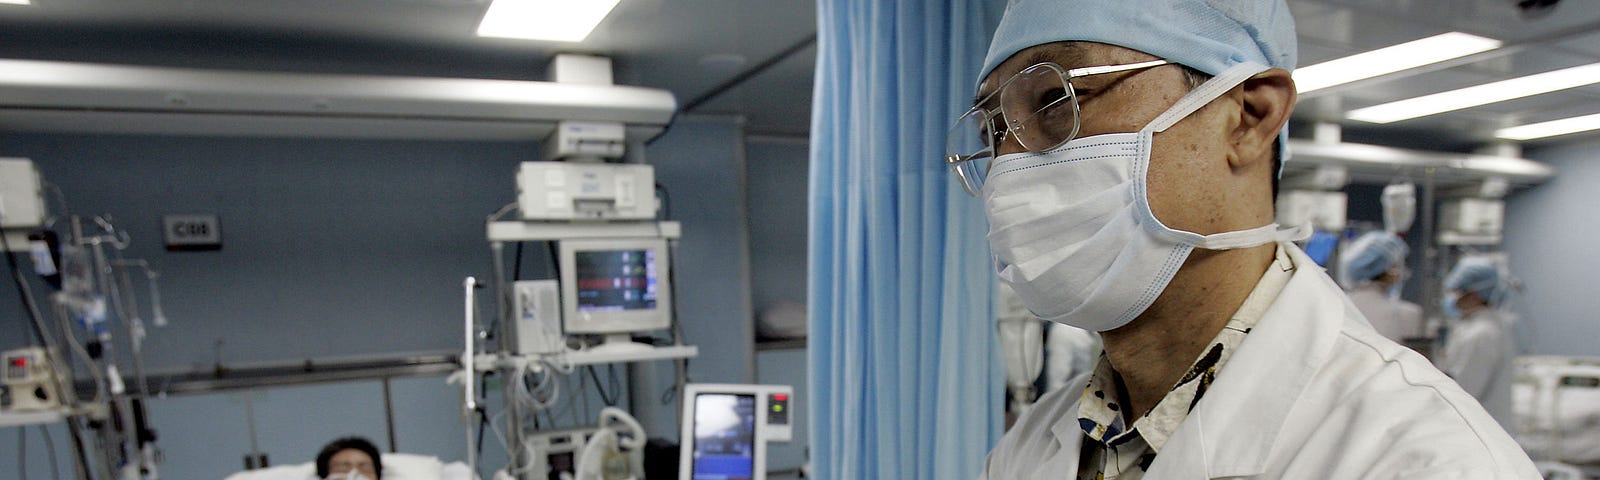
1370, 255
1206, 35
1478, 275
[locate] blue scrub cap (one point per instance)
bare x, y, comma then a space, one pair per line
1370, 255
1206, 35
1478, 275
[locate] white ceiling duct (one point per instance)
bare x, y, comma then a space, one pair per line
94, 98
1381, 165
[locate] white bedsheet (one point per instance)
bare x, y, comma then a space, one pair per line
396, 466
1556, 402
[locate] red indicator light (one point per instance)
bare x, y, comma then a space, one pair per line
19, 362
780, 397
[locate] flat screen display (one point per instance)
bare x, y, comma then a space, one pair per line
724, 436
616, 280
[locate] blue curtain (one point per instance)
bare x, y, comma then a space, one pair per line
905, 378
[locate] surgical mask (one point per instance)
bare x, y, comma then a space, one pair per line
1072, 232
1448, 305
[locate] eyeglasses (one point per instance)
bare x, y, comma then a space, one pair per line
1037, 108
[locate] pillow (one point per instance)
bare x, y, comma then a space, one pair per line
406, 466
302, 471
396, 466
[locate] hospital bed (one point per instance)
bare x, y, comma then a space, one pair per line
396, 466
1556, 406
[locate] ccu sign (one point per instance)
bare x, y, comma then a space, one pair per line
191, 232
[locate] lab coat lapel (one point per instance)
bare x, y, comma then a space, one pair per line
1070, 436
1233, 428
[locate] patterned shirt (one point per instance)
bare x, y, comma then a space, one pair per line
1114, 450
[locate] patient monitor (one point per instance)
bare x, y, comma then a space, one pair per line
726, 429
614, 287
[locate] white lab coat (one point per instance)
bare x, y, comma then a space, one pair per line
1478, 354
1395, 319
1072, 351
1313, 392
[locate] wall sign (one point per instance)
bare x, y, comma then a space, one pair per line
191, 232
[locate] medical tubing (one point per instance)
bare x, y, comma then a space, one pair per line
26, 293
512, 468
609, 400
136, 326
50, 449
22, 454
80, 465
504, 209
129, 445
88, 360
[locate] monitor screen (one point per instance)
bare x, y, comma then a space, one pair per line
724, 436
614, 280
615, 285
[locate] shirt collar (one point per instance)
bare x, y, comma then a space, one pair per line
1101, 417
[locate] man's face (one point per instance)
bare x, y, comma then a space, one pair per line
1185, 159
352, 459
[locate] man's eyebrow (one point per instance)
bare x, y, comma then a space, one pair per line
1068, 55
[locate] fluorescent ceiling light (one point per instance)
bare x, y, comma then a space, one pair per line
1387, 60
1479, 95
555, 20
1551, 128
16, 2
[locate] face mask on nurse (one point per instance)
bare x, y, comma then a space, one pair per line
1071, 227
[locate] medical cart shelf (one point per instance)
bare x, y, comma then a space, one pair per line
658, 353
31, 418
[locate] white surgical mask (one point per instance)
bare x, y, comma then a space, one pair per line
1072, 231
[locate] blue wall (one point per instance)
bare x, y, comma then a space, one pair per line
331, 248
778, 187
778, 171
345, 247
700, 161
1549, 236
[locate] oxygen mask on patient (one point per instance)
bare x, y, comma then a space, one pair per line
353, 474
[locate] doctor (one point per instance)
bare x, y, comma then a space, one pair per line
1372, 267
1126, 154
1479, 349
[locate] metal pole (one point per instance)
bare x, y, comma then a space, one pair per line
75, 428
1430, 253
513, 412
470, 381
388, 414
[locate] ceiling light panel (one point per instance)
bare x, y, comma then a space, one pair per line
552, 20
15, 2
1384, 61
1479, 95
1551, 128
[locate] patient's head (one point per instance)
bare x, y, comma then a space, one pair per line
349, 453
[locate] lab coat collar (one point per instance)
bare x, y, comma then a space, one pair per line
1233, 428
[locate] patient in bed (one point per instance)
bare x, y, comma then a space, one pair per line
340, 457
349, 458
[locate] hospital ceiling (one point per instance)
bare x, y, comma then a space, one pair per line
692, 46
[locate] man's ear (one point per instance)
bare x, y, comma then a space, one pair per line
1268, 99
